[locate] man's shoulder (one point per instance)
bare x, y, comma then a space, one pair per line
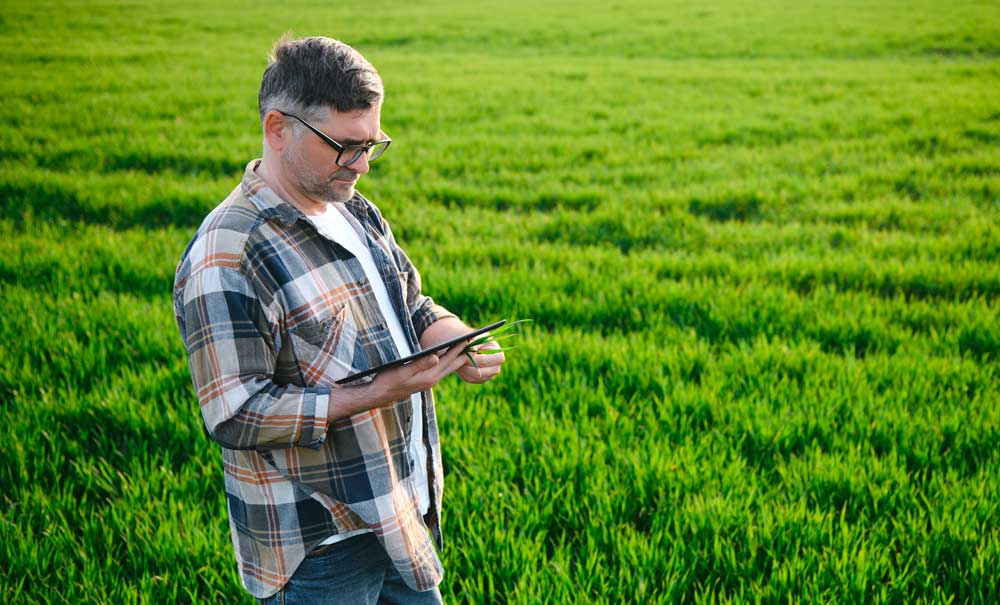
222, 237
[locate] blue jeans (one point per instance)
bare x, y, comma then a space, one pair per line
353, 572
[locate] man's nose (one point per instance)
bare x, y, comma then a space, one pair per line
360, 165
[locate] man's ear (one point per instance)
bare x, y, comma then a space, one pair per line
276, 130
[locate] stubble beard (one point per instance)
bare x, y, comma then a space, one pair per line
316, 185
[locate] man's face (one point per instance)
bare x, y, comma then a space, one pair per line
311, 164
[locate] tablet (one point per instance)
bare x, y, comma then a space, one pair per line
433, 349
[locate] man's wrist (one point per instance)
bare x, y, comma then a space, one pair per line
347, 401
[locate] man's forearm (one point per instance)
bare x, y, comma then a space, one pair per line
442, 330
348, 401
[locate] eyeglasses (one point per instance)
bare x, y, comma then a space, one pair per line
347, 154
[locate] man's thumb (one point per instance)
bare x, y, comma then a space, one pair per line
428, 362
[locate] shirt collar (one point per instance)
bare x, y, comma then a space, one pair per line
272, 206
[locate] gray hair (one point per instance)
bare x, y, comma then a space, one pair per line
309, 75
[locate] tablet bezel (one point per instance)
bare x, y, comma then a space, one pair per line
432, 349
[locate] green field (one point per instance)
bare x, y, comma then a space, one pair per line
760, 246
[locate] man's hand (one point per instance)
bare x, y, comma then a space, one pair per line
394, 385
401, 382
450, 327
489, 365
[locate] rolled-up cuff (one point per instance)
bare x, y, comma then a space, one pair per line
314, 434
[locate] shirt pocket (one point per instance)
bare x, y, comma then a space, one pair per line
325, 349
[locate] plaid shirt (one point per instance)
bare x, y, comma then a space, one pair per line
272, 313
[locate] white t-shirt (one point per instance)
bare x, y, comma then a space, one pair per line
335, 226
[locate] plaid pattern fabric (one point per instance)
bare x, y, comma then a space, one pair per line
272, 313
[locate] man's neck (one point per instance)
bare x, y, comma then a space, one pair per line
280, 186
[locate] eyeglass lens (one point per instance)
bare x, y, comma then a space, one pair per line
353, 153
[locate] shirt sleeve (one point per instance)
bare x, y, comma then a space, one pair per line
231, 355
423, 310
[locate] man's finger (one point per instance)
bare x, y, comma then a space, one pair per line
446, 363
489, 360
456, 363
456, 349
479, 375
426, 363
434, 359
489, 345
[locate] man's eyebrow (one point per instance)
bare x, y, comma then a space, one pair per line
352, 141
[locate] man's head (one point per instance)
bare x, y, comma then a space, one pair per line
318, 84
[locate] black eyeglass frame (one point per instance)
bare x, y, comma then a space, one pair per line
341, 148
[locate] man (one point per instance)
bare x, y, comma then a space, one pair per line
293, 282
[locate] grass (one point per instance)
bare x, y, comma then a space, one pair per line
759, 245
